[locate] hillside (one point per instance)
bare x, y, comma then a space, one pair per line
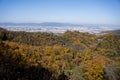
72, 55
112, 31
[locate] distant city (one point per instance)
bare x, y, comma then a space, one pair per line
58, 27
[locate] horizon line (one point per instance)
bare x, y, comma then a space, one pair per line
58, 23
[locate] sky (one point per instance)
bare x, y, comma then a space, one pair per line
67, 11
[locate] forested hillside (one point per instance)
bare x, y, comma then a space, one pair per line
72, 55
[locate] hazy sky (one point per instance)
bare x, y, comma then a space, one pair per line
71, 11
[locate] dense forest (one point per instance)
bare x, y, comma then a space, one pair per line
72, 55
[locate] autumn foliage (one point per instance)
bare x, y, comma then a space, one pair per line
69, 56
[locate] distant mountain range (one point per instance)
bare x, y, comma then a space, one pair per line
41, 24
